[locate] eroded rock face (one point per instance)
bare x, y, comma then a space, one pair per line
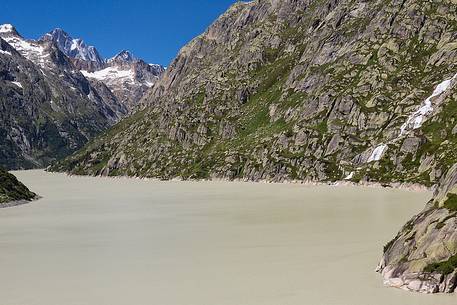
306, 90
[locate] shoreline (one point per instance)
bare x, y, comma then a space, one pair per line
267, 228
413, 187
16, 203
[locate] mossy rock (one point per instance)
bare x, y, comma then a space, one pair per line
12, 189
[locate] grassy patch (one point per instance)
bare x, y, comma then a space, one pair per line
321, 127
451, 202
445, 267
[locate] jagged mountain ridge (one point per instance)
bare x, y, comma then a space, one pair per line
85, 56
310, 90
127, 77
123, 57
48, 107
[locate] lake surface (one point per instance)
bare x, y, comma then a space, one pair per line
103, 241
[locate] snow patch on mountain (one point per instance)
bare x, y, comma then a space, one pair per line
111, 74
17, 84
416, 119
377, 153
350, 176
125, 75
158, 67
75, 48
6, 28
29, 49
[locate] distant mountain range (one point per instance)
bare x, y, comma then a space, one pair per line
57, 93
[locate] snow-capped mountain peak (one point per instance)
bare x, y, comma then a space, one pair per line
74, 48
6, 28
125, 76
124, 56
30, 49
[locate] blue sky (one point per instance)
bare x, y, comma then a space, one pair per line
153, 30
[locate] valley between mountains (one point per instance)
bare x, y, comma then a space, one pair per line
274, 90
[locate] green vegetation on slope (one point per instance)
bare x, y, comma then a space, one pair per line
451, 202
445, 267
12, 189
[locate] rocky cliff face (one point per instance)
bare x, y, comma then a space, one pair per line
423, 255
306, 90
13, 192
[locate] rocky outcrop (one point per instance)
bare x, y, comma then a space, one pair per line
13, 192
308, 90
423, 255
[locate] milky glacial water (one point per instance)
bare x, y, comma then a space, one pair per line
103, 241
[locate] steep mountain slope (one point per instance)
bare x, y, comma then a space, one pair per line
310, 90
11, 190
288, 90
47, 108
